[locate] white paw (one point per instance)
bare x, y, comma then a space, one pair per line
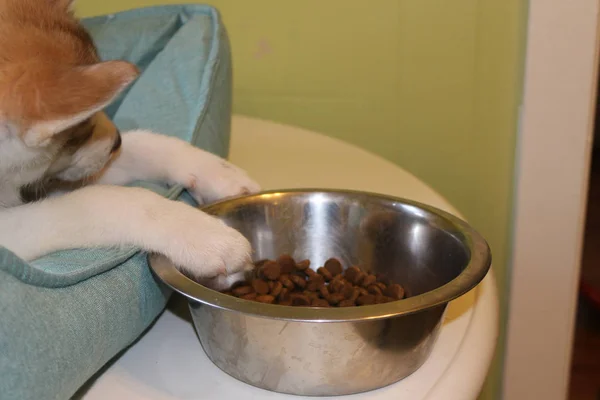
199, 245
210, 178
222, 282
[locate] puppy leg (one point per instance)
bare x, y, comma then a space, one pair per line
149, 156
100, 216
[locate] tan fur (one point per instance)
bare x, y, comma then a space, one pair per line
49, 67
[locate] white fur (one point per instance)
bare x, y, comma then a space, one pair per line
106, 215
149, 156
87, 160
19, 165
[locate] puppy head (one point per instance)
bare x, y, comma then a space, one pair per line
53, 87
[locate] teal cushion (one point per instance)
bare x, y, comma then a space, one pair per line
67, 314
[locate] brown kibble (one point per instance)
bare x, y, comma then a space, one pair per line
310, 273
347, 291
315, 282
283, 278
359, 278
242, 290
287, 263
276, 289
298, 299
365, 300
368, 281
311, 295
324, 291
298, 281
260, 286
383, 299
320, 303
374, 289
334, 266
266, 298
335, 298
301, 302
301, 274
352, 273
249, 296
270, 270
346, 303
336, 285
347, 282
394, 291
325, 273
303, 265
350, 292
286, 282
284, 294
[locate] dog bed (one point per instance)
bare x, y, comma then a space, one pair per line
67, 314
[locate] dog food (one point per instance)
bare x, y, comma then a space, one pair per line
287, 282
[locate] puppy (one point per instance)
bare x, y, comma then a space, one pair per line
61, 159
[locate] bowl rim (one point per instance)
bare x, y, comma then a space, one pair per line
477, 268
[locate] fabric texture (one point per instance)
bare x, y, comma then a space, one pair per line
67, 314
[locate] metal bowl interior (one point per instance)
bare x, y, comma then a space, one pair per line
436, 256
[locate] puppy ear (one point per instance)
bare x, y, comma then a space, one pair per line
63, 99
65, 4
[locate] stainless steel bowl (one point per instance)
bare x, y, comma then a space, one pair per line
336, 351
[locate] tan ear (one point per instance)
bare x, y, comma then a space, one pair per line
66, 4
59, 100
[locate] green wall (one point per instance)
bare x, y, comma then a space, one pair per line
432, 85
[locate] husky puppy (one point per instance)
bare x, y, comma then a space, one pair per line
62, 159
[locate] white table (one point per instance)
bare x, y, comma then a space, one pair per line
168, 362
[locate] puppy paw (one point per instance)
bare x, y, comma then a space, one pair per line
222, 282
210, 178
199, 245
221, 180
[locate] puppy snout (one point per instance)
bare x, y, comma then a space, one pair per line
117, 143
